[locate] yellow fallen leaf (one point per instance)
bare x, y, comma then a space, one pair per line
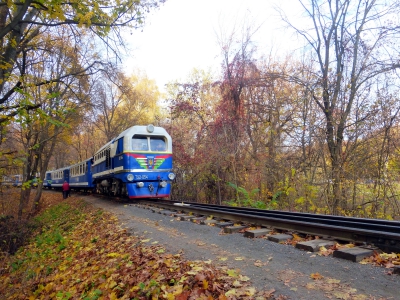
191, 273
113, 254
178, 290
232, 273
322, 249
296, 237
250, 291
205, 284
332, 280
238, 258
388, 255
343, 296
231, 292
236, 283
223, 258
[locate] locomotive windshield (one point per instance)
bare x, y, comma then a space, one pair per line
141, 143
157, 144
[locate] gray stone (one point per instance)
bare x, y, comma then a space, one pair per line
166, 212
224, 224
208, 222
256, 233
178, 215
186, 217
354, 254
314, 245
278, 238
232, 229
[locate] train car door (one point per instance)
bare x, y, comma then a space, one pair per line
66, 175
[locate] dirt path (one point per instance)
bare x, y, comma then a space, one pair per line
269, 265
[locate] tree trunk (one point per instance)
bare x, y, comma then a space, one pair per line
23, 202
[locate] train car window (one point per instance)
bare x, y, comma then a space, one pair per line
139, 143
157, 144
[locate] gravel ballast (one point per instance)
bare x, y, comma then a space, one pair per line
291, 272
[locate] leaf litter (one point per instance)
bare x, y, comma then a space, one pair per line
94, 258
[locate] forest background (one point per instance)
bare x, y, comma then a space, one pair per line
316, 132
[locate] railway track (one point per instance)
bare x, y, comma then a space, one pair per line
382, 234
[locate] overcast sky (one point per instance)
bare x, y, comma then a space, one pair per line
182, 35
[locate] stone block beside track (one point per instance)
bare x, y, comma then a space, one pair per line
233, 229
280, 238
314, 245
355, 254
256, 233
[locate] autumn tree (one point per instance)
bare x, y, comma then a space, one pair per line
59, 102
120, 102
28, 31
198, 161
22, 22
352, 42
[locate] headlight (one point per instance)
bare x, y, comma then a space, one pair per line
150, 128
171, 176
163, 184
140, 184
129, 177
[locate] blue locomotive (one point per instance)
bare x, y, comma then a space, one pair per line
136, 164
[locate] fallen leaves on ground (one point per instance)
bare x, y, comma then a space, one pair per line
88, 255
387, 260
334, 288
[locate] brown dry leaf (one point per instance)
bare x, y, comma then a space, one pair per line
259, 263
316, 276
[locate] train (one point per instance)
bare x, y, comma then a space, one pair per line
16, 180
136, 164
13, 180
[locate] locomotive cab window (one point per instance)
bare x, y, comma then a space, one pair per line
157, 144
139, 143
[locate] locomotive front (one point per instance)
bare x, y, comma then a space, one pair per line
143, 162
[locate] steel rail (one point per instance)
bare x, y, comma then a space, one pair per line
360, 223
380, 233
